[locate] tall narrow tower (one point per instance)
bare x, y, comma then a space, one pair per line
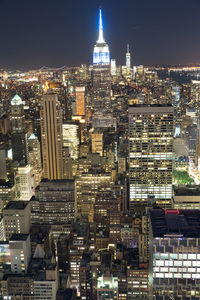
51, 136
128, 58
19, 135
101, 74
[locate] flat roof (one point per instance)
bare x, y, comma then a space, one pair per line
182, 222
16, 205
19, 237
150, 109
187, 190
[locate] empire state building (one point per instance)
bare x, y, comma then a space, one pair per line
101, 75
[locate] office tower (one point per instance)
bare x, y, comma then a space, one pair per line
113, 67
19, 135
80, 100
35, 158
101, 74
24, 183
13, 285
121, 165
128, 58
46, 281
67, 164
175, 254
20, 147
18, 117
16, 218
78, 243
97, 142
71, 138
51, 136
150, 154
195, 95
87, 186
7, 193
105, 204
53, 202
3, 159
20, 252
138, 282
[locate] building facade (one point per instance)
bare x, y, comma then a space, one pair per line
150, 154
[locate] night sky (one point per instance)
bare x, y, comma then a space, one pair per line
63, 32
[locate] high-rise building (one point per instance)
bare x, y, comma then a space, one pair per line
16, 218
71, 138
51, 136
79, 242
53, 202
150, 154
97, 142
101, 75
24, 182
80, 100
35, 158
20, 252
18, 117
113, 67
86, 187
174, 254
128, 58
7, 193
19, 135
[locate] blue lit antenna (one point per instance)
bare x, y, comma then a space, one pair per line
100, 39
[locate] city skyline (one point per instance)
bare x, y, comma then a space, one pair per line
38, 34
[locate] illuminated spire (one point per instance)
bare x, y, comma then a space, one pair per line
127, 48
100, 39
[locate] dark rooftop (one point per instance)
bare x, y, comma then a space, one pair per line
19, 237
187, 190
174, 221
17, 205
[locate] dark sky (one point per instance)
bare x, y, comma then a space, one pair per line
35, 33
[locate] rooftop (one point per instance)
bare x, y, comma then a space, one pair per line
17, 205
16, 100
173, 221
187, 190
19, 237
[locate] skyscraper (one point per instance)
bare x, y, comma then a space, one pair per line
18, 117
150, 154
19, 135
101, 75
80, 100
128, 58
51, 136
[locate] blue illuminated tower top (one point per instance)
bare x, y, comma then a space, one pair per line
101, 54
